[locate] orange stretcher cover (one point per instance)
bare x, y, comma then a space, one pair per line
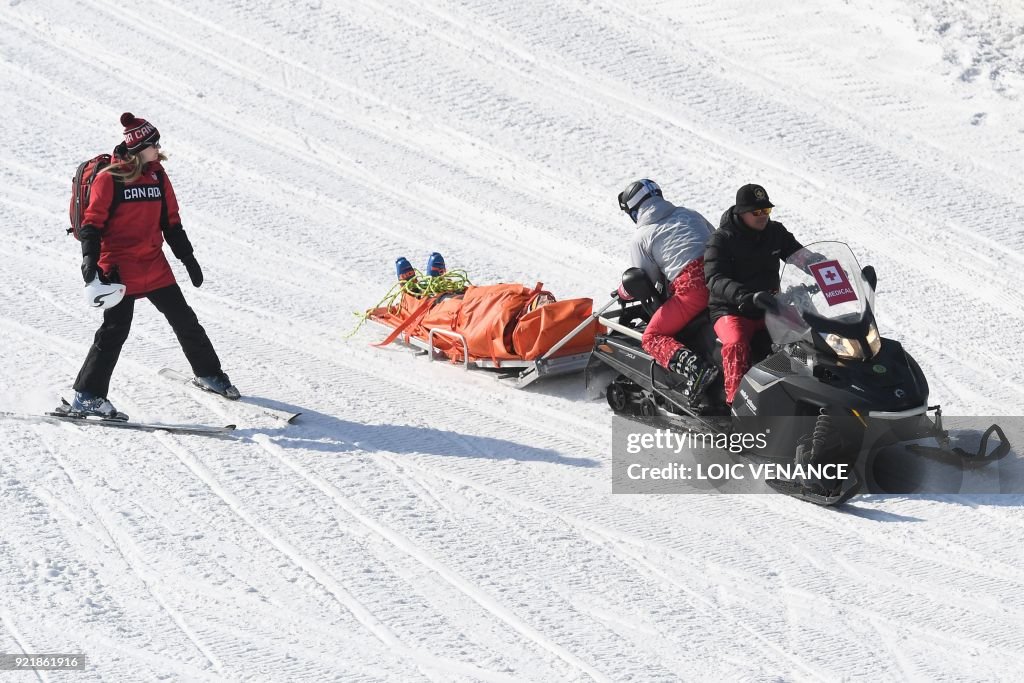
495, 321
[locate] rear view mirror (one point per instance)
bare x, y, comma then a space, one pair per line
870, 276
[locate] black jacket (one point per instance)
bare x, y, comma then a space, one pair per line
740, 261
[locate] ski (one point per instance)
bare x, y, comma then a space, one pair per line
201, 430
57, 417
189, 381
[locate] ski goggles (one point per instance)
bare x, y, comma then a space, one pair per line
762, 212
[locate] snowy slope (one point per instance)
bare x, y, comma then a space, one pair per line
420, 523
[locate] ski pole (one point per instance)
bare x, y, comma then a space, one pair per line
565, 340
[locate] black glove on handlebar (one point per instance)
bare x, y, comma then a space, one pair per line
810, 258
766, 301
752, 304
745, 303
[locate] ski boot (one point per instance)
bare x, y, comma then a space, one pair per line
404, 269
87, 404
435, 265
218, 384
696, 374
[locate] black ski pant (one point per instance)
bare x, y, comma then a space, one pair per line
117, 321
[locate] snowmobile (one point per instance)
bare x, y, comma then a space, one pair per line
826, 385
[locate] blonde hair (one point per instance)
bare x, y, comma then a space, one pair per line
129, 168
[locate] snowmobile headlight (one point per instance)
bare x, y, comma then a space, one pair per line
844, 347
874, 340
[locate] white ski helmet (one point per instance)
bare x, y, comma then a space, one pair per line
101, 295
638, 192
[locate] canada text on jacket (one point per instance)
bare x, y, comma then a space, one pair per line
142, 193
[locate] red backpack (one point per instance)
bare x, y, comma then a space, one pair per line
82, 186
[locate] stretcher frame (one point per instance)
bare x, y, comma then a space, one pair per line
521, 373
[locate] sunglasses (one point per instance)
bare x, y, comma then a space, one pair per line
762, 212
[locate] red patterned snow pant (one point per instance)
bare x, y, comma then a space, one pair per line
735, 333
688, 296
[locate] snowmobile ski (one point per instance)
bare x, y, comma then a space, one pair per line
189, 381
803, 492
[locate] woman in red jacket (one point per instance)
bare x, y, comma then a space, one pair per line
132, 211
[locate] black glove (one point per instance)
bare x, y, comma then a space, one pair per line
752, 304
89, 268
810, 258
90, 237
181, 247
766, 301
746, 304
178, 241
195, 273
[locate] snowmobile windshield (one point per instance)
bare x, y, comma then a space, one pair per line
821, 284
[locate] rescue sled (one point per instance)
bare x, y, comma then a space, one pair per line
521, 333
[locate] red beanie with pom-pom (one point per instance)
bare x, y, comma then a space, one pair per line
138, 133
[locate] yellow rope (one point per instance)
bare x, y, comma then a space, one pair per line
420, 286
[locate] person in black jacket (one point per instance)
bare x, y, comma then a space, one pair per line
742, 259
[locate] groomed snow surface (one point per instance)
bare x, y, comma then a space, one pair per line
423, 523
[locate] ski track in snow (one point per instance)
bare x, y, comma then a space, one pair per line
424, 523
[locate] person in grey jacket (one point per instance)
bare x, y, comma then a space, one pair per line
669, 246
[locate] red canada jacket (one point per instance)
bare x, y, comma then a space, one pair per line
131, 237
